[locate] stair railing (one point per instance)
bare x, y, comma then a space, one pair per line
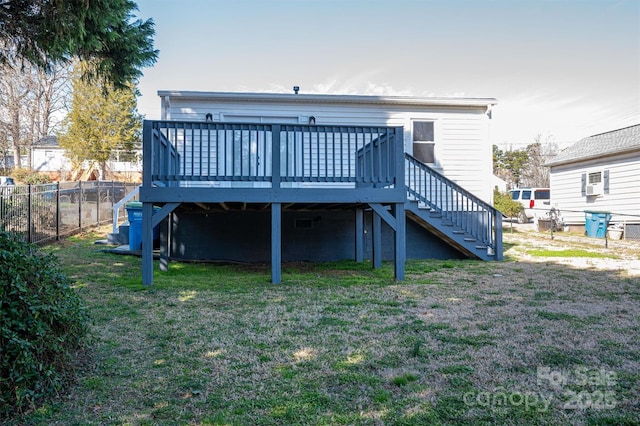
117, 206
457, 206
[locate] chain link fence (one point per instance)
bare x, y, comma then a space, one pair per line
47, 212
625, 226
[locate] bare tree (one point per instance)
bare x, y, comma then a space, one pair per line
12, 97
536, 174
32, 104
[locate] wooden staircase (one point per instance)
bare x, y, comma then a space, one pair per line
447, 210
461, 240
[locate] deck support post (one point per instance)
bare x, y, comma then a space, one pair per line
147, 244
400, 240
497, 226
164, 243
157, 219
276, 243
376, 236
359, 235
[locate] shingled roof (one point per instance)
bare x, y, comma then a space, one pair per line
602, 145
47, 141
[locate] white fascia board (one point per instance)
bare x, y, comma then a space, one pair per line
330, 99
592, 157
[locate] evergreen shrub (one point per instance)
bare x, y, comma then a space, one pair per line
43, 325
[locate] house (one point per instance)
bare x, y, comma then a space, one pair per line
599, 173
48, 157
499, 183
277, 177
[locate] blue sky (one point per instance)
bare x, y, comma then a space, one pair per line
564, 69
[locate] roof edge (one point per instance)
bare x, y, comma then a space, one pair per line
592, 157
328, 98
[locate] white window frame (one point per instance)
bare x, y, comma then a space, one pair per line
436, 136
595, 183
591, 181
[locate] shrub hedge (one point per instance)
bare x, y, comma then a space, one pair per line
43, 325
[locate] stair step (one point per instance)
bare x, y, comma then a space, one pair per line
459, 232
470, 240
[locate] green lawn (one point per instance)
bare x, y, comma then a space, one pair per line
459, 342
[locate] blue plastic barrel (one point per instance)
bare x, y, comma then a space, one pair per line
596, 223
134, 214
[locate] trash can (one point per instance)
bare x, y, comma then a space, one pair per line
595, 223
134, 214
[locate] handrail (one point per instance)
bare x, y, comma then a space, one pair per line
116, 206
454, 203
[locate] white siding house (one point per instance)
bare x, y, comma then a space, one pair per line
599, 173
450, 134
48, 157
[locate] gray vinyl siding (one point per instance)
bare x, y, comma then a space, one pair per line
463, 147
622, 199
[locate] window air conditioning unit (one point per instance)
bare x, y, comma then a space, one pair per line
594, 189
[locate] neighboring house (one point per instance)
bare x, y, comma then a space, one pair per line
499, 183
49, 158
259, 177
599, 173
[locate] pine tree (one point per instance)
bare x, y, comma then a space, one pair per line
47, 32
101, 120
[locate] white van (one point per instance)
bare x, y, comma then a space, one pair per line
536, 202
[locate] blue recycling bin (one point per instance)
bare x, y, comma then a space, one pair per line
595, 223
134, 214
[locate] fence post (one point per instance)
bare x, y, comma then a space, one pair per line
80, 205
58, 215
29, 213
98, 182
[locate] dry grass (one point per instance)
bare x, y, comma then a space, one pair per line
459, 342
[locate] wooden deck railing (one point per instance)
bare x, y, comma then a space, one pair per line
274, 153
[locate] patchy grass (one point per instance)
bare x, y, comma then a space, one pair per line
459, 342
570, 253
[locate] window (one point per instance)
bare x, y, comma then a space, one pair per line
542, 194
595, 183
424, 141
303, 223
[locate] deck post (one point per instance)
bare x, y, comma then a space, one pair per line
376, 247
147, 208
276, 243
276, 173
498, 235
147, 244
359, 235
400, 240
164, 243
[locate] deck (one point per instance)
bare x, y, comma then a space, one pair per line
283, 166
